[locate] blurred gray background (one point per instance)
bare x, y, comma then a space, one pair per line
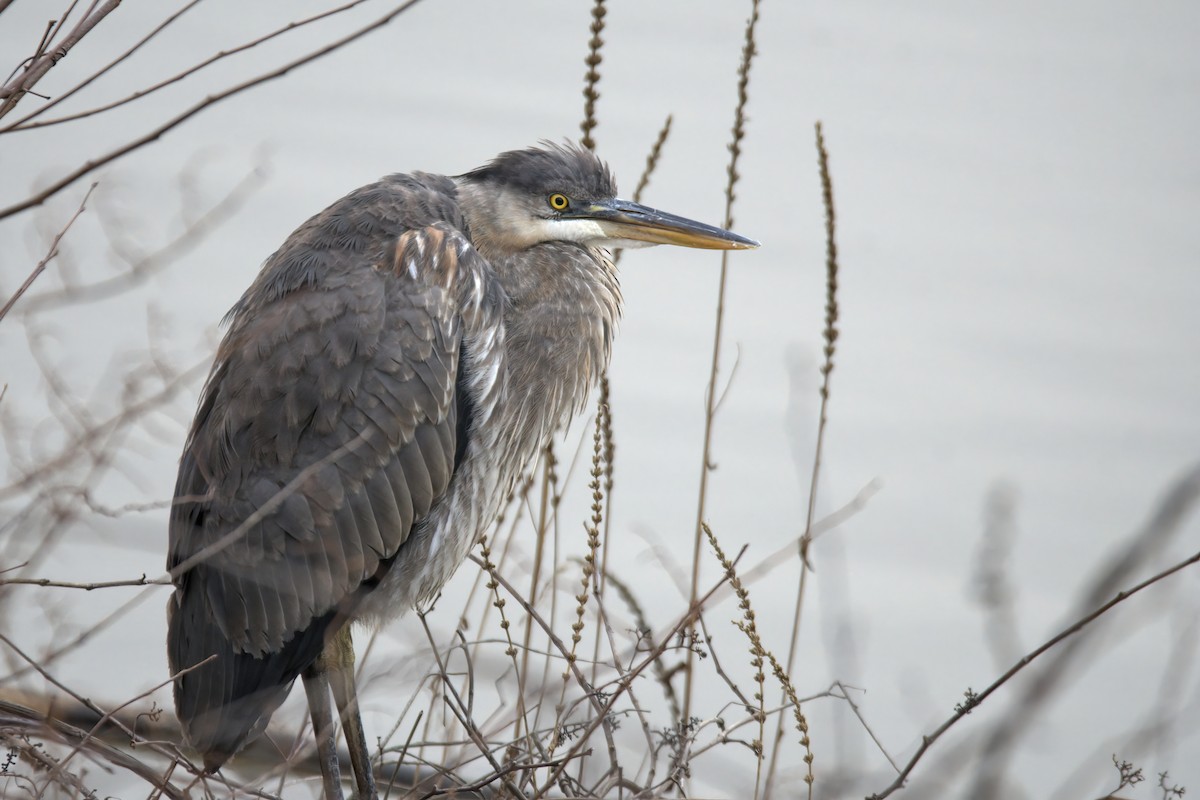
1018, 198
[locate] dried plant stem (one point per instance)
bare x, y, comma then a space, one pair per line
589, 566
651, 163
604, 428
460, 709
517, 499
593, 539
652, 159
626, 681
511, 651
735, 150
830, 335
535, 577
759, 656
604, 404
592, 76
748, 626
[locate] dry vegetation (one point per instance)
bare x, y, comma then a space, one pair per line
558, 681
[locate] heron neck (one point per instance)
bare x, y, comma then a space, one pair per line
559, 324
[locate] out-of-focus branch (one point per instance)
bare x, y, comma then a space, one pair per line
132, 411
41, 265
89, 166
991, 586
1163, 523
143, 268
1166, 519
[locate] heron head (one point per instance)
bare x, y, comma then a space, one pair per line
564, 193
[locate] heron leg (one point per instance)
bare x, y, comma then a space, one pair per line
339, 661
316, 686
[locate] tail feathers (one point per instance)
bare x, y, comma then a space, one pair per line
230, 699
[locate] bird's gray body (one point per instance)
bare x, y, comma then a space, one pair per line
394, 367
379, 382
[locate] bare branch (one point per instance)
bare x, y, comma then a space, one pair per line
141, 93
18, 87
102, 430
83, 738
87, 587
103, 70
93, 164
53, 252
15, 716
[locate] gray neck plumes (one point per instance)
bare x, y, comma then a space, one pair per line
560, 325
562, 304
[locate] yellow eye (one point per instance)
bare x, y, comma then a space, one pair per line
559, 202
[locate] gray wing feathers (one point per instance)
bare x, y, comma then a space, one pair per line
370, 410
333, 398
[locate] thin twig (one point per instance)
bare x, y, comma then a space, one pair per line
57, 186
97, 74
108, 715
87, 587
51, 254
684, 622
400, 758
651, 163
19, 717
735, 148
23, 83
41, 670
858, 713
830, 335
141, 93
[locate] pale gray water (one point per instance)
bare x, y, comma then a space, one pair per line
1018, 194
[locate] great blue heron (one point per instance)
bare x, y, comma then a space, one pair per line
383, 382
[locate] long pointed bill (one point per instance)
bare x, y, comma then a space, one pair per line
635, 223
